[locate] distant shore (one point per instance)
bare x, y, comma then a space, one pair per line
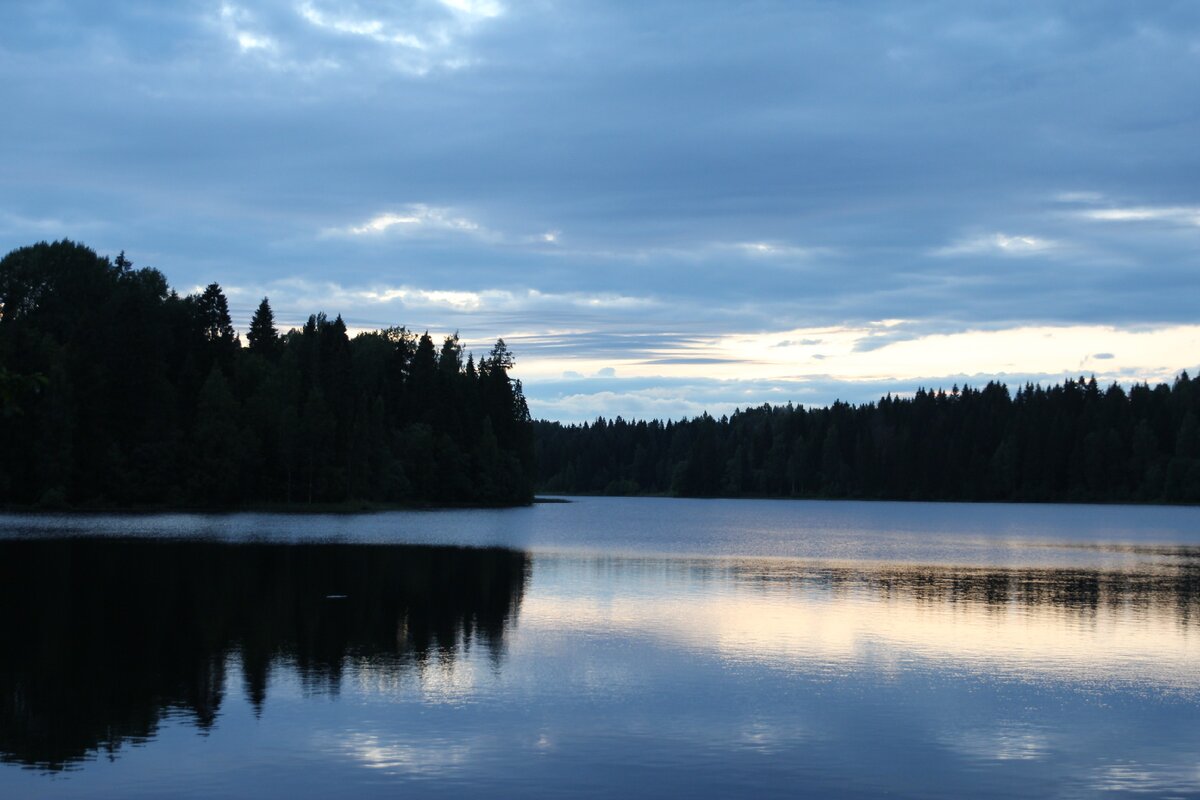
810, 498
266, 508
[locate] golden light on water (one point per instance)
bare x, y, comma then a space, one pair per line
1062, 624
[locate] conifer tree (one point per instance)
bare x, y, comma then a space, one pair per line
262, 337
115, 390
212, 314
450, 358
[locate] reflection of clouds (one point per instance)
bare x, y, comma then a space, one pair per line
447, 680
1157, 779
1060, 625
767, 737
1004, 742
389, 752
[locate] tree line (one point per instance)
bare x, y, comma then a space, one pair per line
117, 390
1071, 442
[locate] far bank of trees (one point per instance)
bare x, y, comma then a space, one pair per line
1073, 442
116, 390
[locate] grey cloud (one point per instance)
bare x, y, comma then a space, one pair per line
604, 344
880, 151
694, 360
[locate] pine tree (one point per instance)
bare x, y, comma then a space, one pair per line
262, 336
212, 314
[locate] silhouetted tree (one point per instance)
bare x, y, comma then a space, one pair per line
1069, 442
115, 390
262, 336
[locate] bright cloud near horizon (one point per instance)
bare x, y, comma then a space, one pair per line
664, 208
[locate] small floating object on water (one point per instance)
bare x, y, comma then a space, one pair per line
335, 597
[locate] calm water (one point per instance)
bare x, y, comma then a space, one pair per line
607, 647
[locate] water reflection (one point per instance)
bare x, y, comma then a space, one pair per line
320, 669
101, 638
1139, 625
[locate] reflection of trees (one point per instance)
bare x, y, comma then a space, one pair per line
1172, 587
100, 638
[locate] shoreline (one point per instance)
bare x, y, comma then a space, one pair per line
348, 508
957, 501
353, 508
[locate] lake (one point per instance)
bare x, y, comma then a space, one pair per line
632, 647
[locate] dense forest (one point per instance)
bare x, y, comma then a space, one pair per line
117, 391
1073, 442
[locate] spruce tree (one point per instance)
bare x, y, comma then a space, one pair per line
262, 336
212, 313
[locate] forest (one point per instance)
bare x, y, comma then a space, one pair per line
117, 391
1072, 442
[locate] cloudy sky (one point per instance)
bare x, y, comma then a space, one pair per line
663, 207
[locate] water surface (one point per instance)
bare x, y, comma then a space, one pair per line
640, 647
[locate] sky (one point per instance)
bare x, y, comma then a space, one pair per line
664, 208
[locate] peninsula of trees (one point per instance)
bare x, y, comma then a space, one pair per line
117, 391
1072, 442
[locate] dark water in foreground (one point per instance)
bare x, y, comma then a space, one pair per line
610, 647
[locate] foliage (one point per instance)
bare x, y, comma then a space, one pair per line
115, 390
1071, 442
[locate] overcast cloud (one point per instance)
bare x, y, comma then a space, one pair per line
627, 190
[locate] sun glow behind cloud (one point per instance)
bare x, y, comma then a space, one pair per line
850, 354
1001, 243
372, 29
417, 39
236, 22
415, 217
816, 366
1179, 215
483, 9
